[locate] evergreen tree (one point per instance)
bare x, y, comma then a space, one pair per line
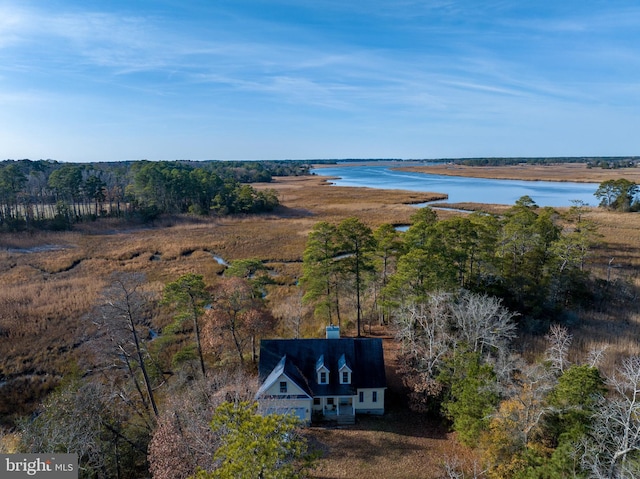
254, 446
189, 296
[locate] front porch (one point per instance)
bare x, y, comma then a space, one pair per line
338, 408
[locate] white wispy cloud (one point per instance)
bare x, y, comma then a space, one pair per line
439, 62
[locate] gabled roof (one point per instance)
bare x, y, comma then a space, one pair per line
277, 373
320, 363
364, 356
342, 363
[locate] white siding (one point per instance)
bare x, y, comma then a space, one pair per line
272, 400
292, 388
367, 405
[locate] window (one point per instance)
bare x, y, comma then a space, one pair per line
345, 377
330, 401
323, 378
316, 401
374, 396
283, 387
361, 396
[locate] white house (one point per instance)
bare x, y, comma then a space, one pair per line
322, 379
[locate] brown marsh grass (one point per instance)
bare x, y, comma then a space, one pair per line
49, 283
60, 275
578, 172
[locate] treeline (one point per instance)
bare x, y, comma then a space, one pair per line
531, 257
48, 194
592, 162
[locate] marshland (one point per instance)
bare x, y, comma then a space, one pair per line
54, 281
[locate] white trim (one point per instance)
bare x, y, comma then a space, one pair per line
319, 372
274, 377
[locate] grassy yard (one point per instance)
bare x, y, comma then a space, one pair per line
401, 444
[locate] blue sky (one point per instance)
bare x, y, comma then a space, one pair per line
88, 80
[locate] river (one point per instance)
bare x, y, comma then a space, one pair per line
463, 189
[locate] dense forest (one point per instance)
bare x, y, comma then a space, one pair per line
51, 195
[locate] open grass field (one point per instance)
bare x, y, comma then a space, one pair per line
49, 283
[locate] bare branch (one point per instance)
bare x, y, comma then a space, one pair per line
557, 352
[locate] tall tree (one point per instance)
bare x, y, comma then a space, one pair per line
66, 182
188, 294
319, 270
460, 239
420, 230
388, 245
356, 243
125, 314
94, 189
237, 317
617, 194
12, 181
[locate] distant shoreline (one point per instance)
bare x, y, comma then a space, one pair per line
574, 172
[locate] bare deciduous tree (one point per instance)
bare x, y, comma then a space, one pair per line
290, 310
184, 440
557, 352
74, 419
596, 356
612, 448
430, 330
125, 320
423, 330
237, 319
482, 322
455, 468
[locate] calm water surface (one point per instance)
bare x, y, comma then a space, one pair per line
461, 189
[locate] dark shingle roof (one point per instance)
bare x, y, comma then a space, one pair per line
363, 355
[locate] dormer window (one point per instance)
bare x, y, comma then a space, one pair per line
344, 370
322, 371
